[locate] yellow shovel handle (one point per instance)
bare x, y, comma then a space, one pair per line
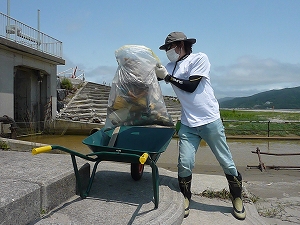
143, 158
42, 149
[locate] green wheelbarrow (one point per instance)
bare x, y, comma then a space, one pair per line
137, 145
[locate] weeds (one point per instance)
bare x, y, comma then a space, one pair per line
282, 210
275, 211
253, 198
270, 212
66, 84
223, 194
4, 145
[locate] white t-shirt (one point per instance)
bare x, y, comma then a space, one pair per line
200, 107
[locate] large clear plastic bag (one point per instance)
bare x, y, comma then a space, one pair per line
135, 97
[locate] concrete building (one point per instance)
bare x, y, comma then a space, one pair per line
28, 72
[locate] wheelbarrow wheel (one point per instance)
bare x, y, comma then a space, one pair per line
137, 170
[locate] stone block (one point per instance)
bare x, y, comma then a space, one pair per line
19, 202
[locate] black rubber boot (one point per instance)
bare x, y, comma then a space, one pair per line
235, 187
185, 188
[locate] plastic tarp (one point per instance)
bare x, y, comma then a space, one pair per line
135, 97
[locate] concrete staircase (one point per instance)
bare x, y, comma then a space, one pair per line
89, 105
173, 107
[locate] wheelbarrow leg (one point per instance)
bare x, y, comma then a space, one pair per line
78, 181
92, 178
155, 181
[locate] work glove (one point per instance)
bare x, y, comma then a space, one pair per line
161, 71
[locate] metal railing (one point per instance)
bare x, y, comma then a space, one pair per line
20, 33
263, 128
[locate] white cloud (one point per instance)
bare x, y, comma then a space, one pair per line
251, 75
101, 74
246, 77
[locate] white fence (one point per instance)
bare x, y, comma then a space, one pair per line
20, 33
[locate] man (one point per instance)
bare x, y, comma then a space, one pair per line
189, 76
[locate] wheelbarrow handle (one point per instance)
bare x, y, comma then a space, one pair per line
143, 158
42, 149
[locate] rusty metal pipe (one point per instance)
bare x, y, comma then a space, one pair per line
7, 120
275, 154
262, 166
13, 126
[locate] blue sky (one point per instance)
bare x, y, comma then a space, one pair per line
253, 45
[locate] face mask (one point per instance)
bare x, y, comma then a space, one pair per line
172, 55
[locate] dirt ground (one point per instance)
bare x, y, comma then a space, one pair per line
276, 193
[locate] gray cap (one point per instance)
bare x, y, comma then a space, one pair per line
176, 36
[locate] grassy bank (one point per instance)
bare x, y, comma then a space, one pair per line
261, 123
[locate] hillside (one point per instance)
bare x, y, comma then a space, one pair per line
287, 98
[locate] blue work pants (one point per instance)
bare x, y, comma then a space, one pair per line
214, 135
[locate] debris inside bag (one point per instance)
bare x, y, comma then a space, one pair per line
135, 97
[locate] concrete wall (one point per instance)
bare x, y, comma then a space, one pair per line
62, 127
14, 56
6, 84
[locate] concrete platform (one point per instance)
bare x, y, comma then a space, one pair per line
32, 185
41, 190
